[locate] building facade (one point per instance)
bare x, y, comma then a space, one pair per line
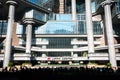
60, 31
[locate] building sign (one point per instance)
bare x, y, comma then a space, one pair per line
59, 58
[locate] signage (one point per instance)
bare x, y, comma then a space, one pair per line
59, 58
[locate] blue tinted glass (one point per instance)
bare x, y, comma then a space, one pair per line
43, 3
63, 17
80, 7
56, 28
3, 28
97, 28
21, 29
82, 27
39, 15
118, 5
93, 7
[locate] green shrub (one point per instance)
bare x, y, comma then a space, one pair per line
10, 64
108, 64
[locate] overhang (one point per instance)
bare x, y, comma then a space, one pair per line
21, 7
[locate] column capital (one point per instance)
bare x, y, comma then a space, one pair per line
104, 3
11, 2
28, 21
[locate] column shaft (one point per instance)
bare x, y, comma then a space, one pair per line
28, 38
110, 37
74, 10
89, 26
9, 36
74, 18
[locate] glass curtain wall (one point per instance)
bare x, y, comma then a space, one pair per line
3, 27
47, 4
118, 6
63, 24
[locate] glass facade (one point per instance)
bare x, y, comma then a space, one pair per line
47, 4
63, 24
60, 24
59, 43
21, 29
3, 27
80, 6
56, 33
97, 29
63, 17
60, 27
118, 6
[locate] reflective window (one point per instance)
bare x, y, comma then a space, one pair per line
40, 15
21, 29
97, 28
56, 27
80, 6
82, 27
118, 6
36, 15
43, 3
63, 17
59, 43
81, 17
93, 5
3, 27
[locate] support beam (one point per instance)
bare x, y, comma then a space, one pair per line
9, 32
109, 31
89, 26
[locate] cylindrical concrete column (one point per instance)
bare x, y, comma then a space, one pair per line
74, 18
9, 33
104, 30
28, 38
109, 32
89, 26
74, 10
